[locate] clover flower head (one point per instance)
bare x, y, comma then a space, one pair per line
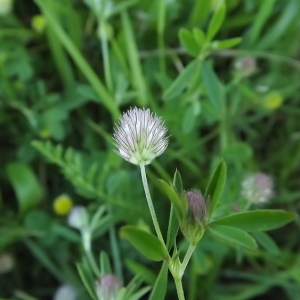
258, 188
140, 136
108, 287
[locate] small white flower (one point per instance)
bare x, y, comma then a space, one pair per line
78, 217
257, 188
140, 136
65, 292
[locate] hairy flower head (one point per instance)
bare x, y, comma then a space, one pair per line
108, 287
140, 136
257, 188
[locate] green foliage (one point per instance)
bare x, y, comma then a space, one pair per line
234, 235
27, 187
260, 220
215, 187
72, 166
148, 244
224, 75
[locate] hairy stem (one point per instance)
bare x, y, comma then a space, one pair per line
150, 204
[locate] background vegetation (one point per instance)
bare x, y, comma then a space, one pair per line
69, 68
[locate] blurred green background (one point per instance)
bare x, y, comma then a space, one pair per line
68, 68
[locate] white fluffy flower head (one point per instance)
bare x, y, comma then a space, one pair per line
140, 136
258, 188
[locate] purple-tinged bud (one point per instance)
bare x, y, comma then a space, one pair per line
258, 188
193, 225
108, 287
197, 208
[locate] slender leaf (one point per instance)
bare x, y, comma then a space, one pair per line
104, 264
172, 229
214, 87
216, 21
87, 280
181, 81
133, 57
233, 235
173, 197
44, 259
146, 243
266, 242
28, 189
177, 182
188, 42
62, 37
228, 43
199, 36
160, 287
148, 275
215, 186
259, 220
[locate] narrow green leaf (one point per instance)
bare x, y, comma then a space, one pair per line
215, 88
227, 43
216, 21
265, 10
188, 42
198, 13
44, 259
136, 268
138, 79
280, 27
160, 288
215, 186
62, 37
140, 293
266, 242
87, 280
173, 197
259, 220
28, 189
190, 117
177, 182
199, 37
181, 81
148, 244
233, 235
104, 264
172, 229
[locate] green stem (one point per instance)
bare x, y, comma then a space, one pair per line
150, 204
179, 288
187, 257
86, 242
